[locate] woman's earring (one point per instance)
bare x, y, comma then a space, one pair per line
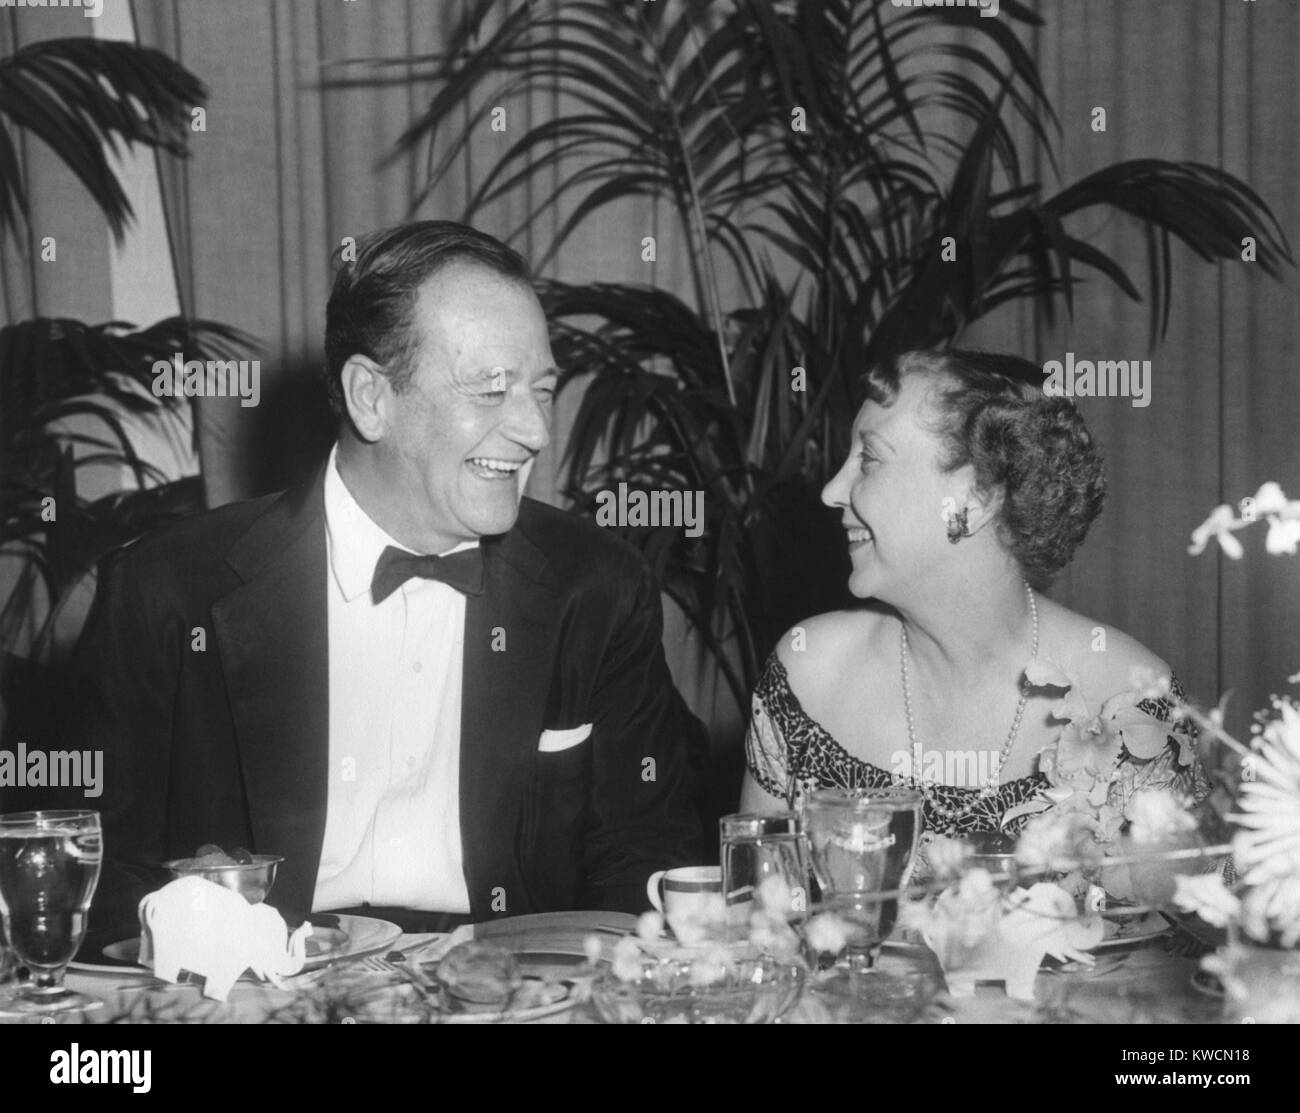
957, 527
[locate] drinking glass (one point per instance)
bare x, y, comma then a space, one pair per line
8, 966
764, 858
49, 866
996, 853
863, 842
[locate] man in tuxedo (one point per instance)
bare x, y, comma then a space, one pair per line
436, 699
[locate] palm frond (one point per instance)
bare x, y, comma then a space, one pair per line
1207, 209
910, 138
55, 369
79, 94
48, 359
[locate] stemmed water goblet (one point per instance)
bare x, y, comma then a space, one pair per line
863, 842
49, 866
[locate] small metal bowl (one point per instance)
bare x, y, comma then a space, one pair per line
251, 881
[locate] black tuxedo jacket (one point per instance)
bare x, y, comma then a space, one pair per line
203, 675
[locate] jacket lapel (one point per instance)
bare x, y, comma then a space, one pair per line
277, 673
510, 636
273, 637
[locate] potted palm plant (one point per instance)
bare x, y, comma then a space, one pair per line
77, 96
795, 143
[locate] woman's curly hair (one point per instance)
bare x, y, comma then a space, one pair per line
1033, 449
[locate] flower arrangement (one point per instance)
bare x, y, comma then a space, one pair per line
1265, 900
1123, 781
1270, 503
1122, 818
980, 933
717, 945
1130, 813
1264, 805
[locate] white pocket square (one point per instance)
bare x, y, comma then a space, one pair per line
553, 741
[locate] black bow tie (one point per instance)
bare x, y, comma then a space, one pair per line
462, 570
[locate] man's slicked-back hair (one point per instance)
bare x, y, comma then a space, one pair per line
370, 311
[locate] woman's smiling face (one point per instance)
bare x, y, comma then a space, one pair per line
891, 491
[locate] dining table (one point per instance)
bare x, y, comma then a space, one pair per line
1154, 981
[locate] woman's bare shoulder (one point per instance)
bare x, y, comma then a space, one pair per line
1103, 658
819, 650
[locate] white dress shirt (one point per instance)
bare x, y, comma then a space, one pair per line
392, 823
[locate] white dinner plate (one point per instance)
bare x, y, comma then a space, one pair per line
1123, 932
571, 996
354, 936
558, 935
374, 998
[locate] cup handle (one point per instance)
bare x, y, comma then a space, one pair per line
652, 890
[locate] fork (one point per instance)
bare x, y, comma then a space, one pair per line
380, 964
372, 962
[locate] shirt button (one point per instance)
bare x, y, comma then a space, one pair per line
416, 667
410, 761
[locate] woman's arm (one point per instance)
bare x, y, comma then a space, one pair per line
753, 798
766, 785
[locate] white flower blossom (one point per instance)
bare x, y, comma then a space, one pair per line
1218, 525
827, 933
946, 855
1283, 535
774, 894
650, 926
1267, 843
976, 887
1206, 895
1149, 684
1269, 499
1157, 816
1273, 905
1057, 841
627, 960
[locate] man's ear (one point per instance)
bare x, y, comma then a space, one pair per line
367, 394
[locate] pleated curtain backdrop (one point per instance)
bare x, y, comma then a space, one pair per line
1214, 83
287, 167
78, 283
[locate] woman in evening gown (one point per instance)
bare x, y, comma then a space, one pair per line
965, 492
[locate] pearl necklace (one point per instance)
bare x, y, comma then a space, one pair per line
985, 793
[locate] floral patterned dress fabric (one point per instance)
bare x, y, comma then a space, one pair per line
789, 753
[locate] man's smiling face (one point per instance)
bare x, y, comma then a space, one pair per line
462, 433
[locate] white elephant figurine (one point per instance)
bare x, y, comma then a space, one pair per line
197, 925
1041, 920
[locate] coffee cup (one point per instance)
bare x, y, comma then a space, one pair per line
689, 898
